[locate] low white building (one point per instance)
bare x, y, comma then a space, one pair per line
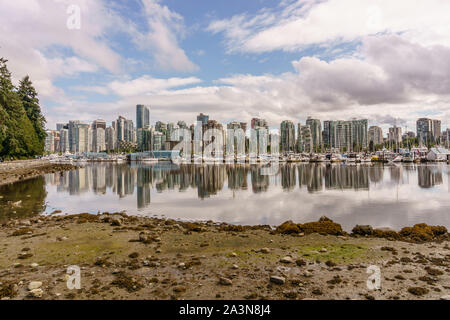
438, 154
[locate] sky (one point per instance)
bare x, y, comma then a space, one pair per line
387, 61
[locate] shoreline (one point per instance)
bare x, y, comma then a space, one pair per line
15, 171
127, 257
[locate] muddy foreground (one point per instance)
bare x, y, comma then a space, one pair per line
124, 257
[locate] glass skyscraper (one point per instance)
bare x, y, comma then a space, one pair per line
142, 116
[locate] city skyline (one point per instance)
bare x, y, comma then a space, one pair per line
352, 135
181, 57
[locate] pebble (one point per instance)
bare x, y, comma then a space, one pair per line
233, 254
265, 250
286, 259
34, 285
307, 274
277, 280
34, 265
142, 236
181, 265
447, 297
37, 293
225, 281
323, 250
235, 266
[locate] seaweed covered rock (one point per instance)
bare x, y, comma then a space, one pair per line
386, 233
362, 230
323, 226
288, 227
423, 232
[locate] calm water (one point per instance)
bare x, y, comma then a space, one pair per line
382, 196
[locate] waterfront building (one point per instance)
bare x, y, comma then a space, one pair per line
110, 139
203, 118
304, 139
125, 130
98, 124
64, 140
259, 123
142, 116
82, 138
375, 135
145, 139
173, 133
359, 134
98, 139
72, 127
159, 140
161, 127
316, 132
395, 135
49, 143
345, 135
287, 133
436, 130
425, 130
60, 126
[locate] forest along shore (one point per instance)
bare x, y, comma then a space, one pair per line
14, 171
122, 257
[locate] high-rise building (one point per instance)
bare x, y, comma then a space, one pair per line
375, 135
145, 139
436, 130
287, 133
142, 116
347, 134
304, 139
98, 124
359, 134
60, 126
395, 135
203, 118
424, 130
316, 132
72, 127
82, 138
125, 130
49, 143
110, 138
98, 140
259, 123
64, 140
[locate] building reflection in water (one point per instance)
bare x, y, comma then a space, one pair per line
209, 180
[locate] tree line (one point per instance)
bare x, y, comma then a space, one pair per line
22, 125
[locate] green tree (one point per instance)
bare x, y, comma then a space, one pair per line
18, 138
30, 101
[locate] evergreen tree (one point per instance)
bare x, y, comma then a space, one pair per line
30, 101
18, 138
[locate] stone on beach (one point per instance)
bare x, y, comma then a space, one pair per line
34, 285
277, 279
286, 259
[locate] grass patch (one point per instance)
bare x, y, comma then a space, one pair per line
336, 253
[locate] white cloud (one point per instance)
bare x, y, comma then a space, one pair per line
148, 85
294, 26
165, 29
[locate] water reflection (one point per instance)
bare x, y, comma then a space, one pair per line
22, 199
392, 195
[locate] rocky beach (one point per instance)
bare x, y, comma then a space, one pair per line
123, 257
14, 171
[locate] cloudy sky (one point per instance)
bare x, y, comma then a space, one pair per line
388, 61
